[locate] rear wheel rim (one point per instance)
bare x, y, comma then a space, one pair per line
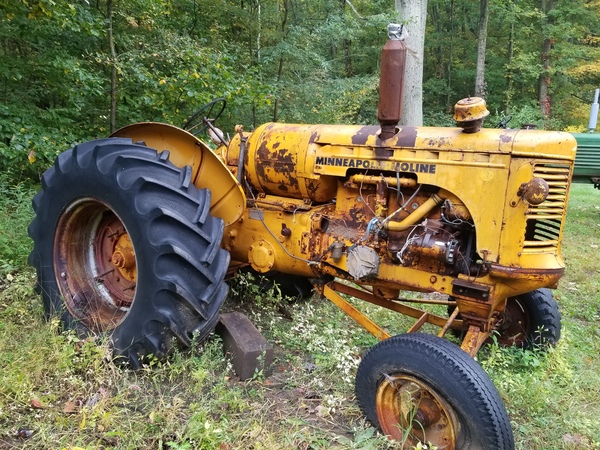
409, 411
95, 264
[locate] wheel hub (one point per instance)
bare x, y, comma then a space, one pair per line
513, 324
123, 257
95, 264
409, 411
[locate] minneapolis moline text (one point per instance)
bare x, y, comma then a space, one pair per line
395, 166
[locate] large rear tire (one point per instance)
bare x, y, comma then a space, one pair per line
421, 388
124, 245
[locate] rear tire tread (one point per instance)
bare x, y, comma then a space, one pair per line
168, 220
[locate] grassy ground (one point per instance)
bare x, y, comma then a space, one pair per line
57, 391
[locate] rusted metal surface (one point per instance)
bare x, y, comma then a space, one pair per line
471, 108
419, 323
474, 339
361, 179
358, 316
513, 324
449, 323
411, 412
547, 276
469, 114
278, 163
95, 264
470, 289
123, 257
392, 305
534, 192
391, 82
416, 216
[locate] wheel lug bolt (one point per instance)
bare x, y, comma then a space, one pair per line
118, 259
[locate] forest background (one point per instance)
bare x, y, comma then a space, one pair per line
73, 70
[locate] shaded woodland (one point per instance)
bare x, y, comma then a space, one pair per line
75, 70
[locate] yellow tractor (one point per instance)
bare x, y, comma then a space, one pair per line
134, 236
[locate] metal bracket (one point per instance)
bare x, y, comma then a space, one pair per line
472, 290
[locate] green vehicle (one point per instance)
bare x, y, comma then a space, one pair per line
587, 162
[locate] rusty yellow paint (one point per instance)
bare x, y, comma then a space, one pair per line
123, 258
319, 187
410, 411
474, 339
358, 316
288, 238
228, 200
280, 161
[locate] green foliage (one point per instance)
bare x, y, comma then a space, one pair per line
255, 290
294, 61
516, 31
16, 214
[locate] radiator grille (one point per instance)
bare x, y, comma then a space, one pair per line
545, 221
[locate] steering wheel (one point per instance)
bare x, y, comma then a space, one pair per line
504, 122
205, 116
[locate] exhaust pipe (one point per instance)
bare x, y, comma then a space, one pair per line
391, 82
594, 113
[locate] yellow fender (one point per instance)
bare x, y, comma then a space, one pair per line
208, 171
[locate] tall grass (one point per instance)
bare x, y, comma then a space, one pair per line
15, 215
58, 391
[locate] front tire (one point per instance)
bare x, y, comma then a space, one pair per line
530, 321
124, 244
421, 388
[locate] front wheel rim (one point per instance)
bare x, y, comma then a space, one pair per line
514, 325
95, 264
409, 411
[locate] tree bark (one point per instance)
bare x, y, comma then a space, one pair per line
113, 67
413, 15
449, 102
481, 47
510, 82
284, 20
347, 43
544, 79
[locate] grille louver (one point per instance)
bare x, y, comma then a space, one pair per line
544, 221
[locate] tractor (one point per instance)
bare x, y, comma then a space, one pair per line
135, 236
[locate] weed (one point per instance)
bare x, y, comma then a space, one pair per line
58, 390
15, 245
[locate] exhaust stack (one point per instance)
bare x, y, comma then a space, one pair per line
391, 81
594, 113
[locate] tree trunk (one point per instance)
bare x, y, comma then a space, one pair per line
510, 82
113, 67
413, 14
284, 20
449, 102
481, 46
544, 79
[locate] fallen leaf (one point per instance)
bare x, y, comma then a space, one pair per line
71, 407
575, 441
35, 403
322, 411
